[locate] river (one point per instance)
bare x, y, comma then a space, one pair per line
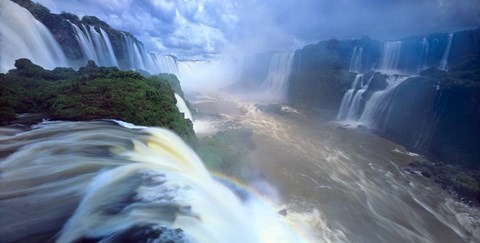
347, 184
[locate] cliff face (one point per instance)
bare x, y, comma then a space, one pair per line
60, 25
320, 72
438, 113
435, 112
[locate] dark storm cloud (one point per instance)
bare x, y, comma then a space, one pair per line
205, 28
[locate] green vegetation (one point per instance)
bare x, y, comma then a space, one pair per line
227, 152
91, 93
173, 81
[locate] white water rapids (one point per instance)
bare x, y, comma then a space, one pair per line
78, 181
348, 184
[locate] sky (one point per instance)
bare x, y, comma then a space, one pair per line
205, 29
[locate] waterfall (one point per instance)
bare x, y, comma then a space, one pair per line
95, 46
355, 106
22, 36
424, 54
33, 40
356, 61
378, 106
166, 63
390, 56
137, 58
85, 44
444, 61
98, 181
183, 108
347, 98
275, 84
187, 68
351, 105
108, 44
106, 58
128, 52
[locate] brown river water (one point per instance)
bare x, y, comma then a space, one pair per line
346, 184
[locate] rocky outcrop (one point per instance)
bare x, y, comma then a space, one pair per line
437, 113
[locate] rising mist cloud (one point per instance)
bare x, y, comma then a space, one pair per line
202, 29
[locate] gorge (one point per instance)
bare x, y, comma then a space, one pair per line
103, 139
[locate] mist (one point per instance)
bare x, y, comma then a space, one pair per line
240, 121
197, 30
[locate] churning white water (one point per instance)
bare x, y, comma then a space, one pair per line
349, 184
73, 181
22, 36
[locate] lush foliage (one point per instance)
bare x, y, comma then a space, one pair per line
91, 93
173, 81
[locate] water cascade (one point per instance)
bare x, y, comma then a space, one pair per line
34, 41
105, 57
183, 108
356, 61
98, 181
188, 70
85, 43
377, 108
444, 61
165, 63
347, 98
137, 58
275, 84
109, 48
95, 45
424, 54
355, 106
390, 56
22, 36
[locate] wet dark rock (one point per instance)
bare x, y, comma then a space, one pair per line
378, 81
460, 181
143, 234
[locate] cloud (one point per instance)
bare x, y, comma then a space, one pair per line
202, 29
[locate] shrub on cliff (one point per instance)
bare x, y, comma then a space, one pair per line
91, 93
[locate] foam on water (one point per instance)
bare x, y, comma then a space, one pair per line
101, 180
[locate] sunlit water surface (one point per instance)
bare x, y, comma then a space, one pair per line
346, 184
